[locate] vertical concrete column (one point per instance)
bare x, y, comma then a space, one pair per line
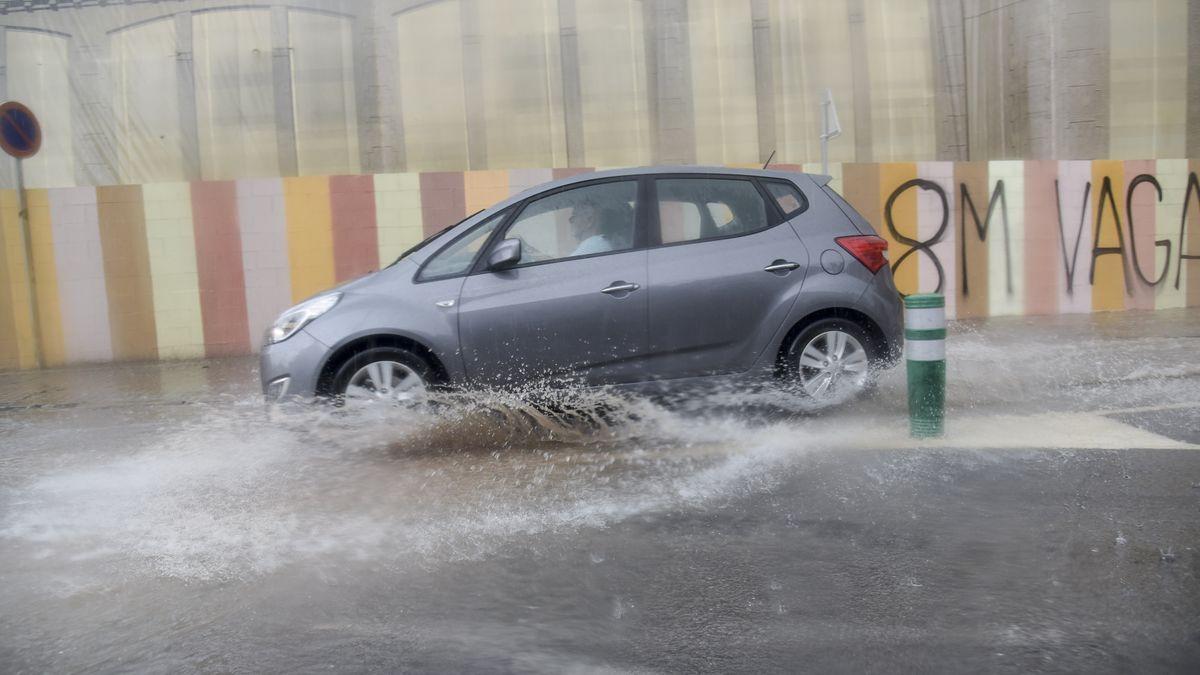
473, 85
1031, 78
949, 79
650, 49
1193, 80
764, 76
861, 73
189, 128
93, 128
380, 125
675, 117
281, 81
568, 37
1079, 81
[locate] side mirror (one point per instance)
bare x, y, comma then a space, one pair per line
506, 254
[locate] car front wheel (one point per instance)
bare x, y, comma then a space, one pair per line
832, 361
382, 374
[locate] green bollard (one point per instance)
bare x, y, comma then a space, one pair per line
925, 351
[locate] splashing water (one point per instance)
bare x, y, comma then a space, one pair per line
240, 491
235, 490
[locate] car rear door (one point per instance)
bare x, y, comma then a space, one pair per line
724, 272
558, 313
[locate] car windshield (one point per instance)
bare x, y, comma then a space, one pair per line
425, 242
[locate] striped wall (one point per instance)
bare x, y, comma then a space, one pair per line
185, 270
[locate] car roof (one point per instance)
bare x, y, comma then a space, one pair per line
819, 179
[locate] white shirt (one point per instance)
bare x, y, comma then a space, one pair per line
597, 243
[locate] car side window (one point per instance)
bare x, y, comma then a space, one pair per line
790, 200
457, 256
694, 209
587, 220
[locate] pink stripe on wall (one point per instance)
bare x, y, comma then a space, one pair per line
1043, 252
560, 174
263, 226
1073, 177
355, 237
82, 293
1142, 227
443, 200
219, 268
520, 180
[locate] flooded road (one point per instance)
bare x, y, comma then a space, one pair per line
157, 517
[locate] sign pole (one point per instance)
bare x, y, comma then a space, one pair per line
21, 137
31, 275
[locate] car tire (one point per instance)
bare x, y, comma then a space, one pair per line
382, 374
832, 361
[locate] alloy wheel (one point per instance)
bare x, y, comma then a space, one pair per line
833, 366
384, 381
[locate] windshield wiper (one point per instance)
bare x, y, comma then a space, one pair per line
431, 237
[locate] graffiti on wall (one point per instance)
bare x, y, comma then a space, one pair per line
1016, 237
1106, 215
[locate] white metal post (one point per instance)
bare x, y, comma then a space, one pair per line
830, 128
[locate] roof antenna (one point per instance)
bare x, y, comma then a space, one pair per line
769, 159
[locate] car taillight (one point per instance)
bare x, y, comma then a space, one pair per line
867, 249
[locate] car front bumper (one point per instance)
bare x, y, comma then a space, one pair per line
290, 369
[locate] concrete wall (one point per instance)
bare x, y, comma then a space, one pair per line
178, 270
617, 82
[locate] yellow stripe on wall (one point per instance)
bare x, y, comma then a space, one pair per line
484, 188
50, 326
1108, 289
12, 280
904, 216
309, 233
397, 214
1172, 175
174, 280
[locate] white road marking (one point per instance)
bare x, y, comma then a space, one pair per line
1084, 431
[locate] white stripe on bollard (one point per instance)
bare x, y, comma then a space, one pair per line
924, 318
925, 350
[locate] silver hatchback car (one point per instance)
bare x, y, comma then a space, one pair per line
630, 277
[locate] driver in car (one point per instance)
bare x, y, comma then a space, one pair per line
585, 227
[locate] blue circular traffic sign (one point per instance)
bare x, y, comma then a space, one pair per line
20, 133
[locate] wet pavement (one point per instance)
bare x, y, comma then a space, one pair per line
156, 517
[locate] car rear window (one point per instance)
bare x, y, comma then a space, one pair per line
790, 200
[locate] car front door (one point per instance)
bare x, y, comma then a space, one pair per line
723, 275
574, 306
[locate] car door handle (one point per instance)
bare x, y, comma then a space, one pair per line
620, 287
781, 266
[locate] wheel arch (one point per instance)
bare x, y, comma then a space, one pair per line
348, 349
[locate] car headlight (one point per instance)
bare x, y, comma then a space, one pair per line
299, 316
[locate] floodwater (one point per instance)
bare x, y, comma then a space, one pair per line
160, 518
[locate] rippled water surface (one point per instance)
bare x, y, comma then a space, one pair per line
160, 518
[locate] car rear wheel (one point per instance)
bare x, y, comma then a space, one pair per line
382, 375
832, 361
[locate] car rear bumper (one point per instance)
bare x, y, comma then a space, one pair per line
882, 302
290, 369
